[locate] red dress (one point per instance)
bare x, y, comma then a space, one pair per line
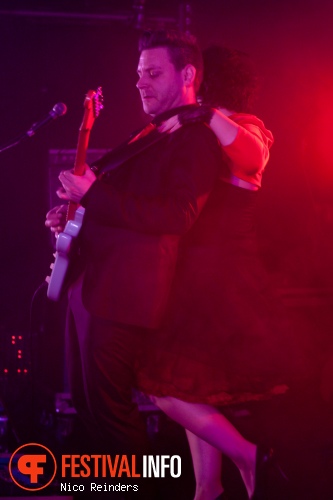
224, 338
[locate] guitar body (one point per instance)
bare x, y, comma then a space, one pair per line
66, 250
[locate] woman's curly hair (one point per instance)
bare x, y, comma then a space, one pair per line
229, 80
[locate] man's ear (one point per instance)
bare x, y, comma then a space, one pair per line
189, 73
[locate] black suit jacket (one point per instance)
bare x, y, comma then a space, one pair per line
136, 216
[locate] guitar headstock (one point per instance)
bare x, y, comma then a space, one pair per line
93, 105
98, 101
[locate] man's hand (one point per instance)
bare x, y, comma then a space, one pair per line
56, 219
75, 186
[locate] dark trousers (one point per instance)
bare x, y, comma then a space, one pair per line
101, 359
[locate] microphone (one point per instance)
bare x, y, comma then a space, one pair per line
59, 109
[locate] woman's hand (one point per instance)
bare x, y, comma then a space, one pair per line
199, 114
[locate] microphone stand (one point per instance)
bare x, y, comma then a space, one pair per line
14, 142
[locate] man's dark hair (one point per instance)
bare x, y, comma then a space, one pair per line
182, 48
229, 80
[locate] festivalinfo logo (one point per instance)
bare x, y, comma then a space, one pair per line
33, 467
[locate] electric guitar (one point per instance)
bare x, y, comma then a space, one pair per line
65, 244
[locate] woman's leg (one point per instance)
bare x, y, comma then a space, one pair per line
209, 424
207, 464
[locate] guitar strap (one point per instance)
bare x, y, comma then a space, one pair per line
124, 152
138, 142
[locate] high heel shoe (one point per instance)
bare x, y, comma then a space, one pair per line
265, 463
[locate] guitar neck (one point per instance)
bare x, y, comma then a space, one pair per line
81, 152
79, 166
71, 209
93, 105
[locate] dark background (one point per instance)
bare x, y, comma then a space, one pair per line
48, 58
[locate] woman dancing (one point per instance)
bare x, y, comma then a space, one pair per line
223, 341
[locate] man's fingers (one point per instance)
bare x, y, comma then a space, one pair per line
56, 218
61, 193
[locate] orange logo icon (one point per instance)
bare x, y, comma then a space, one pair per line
32, 467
